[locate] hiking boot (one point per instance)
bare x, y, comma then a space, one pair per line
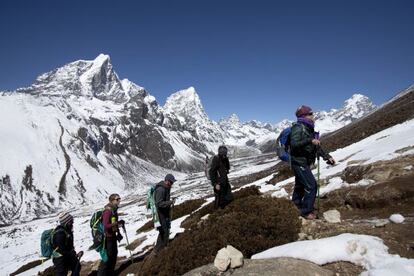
310, 216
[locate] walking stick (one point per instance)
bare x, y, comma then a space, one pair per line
126, 237
319, 178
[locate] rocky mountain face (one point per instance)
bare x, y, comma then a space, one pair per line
80, 132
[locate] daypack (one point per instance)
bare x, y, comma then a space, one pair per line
97, 230
207, 166
151, 206
283, 144
46, 242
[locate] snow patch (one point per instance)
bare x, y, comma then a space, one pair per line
363, 250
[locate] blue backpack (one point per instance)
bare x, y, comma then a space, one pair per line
283, 144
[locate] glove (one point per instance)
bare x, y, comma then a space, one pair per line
121, 223
119, 237
330, 161
79, 255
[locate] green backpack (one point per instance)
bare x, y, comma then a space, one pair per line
97, 230
98, 234
151, 206
46, 242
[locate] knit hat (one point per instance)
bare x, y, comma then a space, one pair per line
222, 150
65, 218
170, 177
302, 111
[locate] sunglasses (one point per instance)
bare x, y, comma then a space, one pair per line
309, 114
117, 199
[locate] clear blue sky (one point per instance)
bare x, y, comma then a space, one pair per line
259, 59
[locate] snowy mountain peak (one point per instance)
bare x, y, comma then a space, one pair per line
185, 102
358, 100
232, 120
101, 59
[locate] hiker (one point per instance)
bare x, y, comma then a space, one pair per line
65, 257
304, 148
164, 206
220, 167
112, 235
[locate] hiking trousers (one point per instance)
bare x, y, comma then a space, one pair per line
107, 268
304, 193
223, 196
163, 236
64, 264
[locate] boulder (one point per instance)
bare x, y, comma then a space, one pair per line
397, 218
332, 216
222, 260
236, 257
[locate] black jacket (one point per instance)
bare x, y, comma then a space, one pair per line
220, 167
163, 203
302, 151
63, 241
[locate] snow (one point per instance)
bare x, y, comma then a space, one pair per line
397, 218
281, 193
363, 250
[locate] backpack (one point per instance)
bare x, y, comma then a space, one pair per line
46, 242
207, 166
151, 206
97, 230
283, 143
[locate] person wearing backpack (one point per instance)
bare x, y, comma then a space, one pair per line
112, 235
163, 204
304, 148
65, 257
219, 169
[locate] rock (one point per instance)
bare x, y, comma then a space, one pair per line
222, 260
381, 223
236, 257
205, 217
332, 216
302, 236
397, 218
268, 267
309, 237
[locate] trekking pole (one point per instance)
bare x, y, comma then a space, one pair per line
126, 237
319, 179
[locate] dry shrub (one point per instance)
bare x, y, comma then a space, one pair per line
251, 224
179, 211
194, 218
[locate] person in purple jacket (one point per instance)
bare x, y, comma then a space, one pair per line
112, 235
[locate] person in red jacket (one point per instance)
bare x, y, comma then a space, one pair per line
112, 235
